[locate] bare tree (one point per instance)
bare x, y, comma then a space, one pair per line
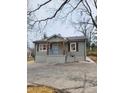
89, 11
83, 26
85, 5
86, 29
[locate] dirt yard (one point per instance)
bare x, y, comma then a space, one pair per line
94, 58
70, 76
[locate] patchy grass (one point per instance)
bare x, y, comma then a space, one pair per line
40, 89
30, 60
43, 89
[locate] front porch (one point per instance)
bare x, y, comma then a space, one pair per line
56, 48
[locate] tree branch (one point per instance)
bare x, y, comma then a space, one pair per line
88, 8
65, 2
95, 3
54, 15
39, 7
72, 9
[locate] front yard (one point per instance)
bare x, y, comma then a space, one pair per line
69, 76
94, 58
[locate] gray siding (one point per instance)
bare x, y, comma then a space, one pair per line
77, 56
41, 56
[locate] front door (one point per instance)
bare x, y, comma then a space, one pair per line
55, 48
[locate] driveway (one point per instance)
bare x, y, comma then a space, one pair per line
72, 77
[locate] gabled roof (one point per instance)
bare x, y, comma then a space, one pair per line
48, 38
73, 38
55, 36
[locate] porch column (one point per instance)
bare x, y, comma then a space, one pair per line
47, 47
63, 44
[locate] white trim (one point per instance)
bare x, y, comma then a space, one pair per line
71, 47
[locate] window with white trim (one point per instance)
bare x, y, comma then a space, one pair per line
72, 47
43, 47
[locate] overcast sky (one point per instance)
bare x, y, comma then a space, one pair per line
55, 26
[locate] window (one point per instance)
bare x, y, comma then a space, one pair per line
43, 47
72, 47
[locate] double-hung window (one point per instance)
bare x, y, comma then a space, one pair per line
73, 47
43, 47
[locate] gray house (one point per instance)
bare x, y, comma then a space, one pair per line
60, 49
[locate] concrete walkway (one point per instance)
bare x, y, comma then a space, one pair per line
90, 60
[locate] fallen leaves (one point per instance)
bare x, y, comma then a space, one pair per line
40, 89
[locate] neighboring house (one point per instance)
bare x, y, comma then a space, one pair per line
60, 49
29, 51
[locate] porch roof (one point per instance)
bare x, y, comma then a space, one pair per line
65, 39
